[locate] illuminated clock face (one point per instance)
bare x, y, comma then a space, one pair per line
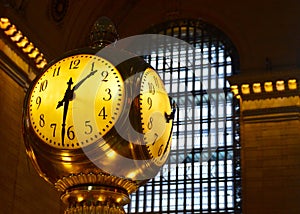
155, 116
76, 101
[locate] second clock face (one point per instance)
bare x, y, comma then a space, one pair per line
76, 101
155, 108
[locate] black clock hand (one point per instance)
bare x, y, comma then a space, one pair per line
65, 102
172, 114
168, 118
84, 79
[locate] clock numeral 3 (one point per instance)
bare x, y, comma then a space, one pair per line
108, 93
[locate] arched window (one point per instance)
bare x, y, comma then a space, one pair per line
202, 174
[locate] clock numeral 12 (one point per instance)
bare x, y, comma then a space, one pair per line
74, 64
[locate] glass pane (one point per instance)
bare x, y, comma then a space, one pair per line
202, 172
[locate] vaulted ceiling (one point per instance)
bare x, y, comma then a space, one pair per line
56, 26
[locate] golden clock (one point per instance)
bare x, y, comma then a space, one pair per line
156, 116
61, 91
97, 124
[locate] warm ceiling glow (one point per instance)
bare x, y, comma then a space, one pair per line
245, 89
22, 42
292, 84
235, 89
280, 85
268, 86
256, 88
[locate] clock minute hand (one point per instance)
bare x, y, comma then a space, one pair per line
65, 102
84, 79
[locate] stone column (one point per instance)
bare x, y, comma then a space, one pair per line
270, 140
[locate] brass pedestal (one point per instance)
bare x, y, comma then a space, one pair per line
95, 193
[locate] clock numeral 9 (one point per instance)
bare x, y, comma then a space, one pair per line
149, 101
74, 64
38, 101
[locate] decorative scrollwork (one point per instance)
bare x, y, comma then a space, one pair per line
59, 9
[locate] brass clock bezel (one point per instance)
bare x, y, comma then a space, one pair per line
92, 53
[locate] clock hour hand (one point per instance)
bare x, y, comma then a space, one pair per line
65, 102
168, 118
171, 116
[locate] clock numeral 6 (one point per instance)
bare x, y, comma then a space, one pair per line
70, 133
160, 150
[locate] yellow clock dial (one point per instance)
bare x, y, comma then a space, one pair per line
155, 111
76, 101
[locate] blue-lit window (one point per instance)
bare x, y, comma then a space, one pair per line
202, 174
